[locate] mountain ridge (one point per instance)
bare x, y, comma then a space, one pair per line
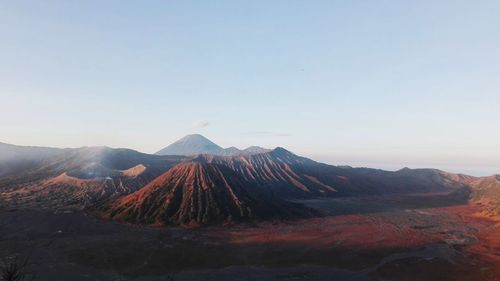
88, 177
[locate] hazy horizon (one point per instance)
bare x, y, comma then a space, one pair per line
475, 169
384, 84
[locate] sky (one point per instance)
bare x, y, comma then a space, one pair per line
384, 84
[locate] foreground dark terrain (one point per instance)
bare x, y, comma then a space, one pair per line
407, 241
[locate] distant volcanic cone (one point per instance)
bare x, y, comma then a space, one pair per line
192, 145
197, 144
196, 194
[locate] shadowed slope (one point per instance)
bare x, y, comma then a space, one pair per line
193, 194
288, 175
15, 159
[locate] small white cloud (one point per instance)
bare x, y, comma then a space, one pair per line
267, 134
198, 124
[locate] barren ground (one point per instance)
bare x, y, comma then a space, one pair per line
373, 238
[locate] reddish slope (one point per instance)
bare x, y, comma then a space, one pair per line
67, 190
192, 194
486, 192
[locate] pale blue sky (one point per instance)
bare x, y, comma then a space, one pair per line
368, 83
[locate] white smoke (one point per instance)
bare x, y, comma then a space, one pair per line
198, 124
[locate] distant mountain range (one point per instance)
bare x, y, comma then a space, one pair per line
200, 183
197, 144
